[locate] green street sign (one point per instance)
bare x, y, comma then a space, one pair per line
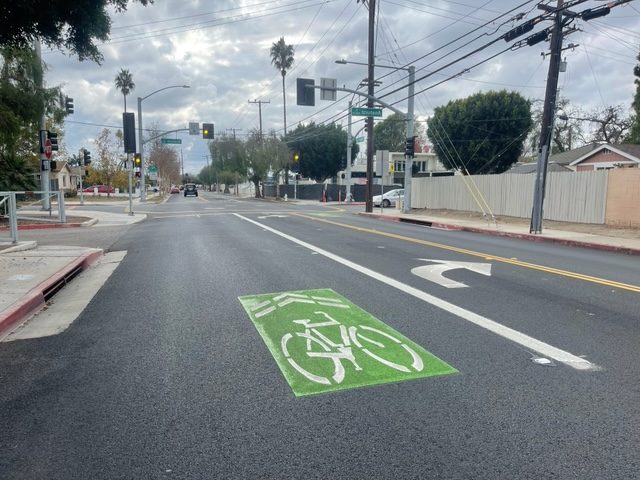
171, 140
360, 139
322, 342
152, 169
366, 112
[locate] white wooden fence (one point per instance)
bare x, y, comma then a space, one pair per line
570, 197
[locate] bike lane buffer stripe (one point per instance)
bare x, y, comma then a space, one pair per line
322, 342
515, 336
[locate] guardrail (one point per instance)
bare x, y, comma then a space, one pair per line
9, 210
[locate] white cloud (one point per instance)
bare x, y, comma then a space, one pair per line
221, 50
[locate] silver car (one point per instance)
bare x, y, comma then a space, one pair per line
390, 198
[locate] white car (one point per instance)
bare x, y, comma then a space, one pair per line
389, 198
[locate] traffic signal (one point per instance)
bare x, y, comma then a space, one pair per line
138, 174
68, 105
53, 165
207, 131
137, 160
295, 161
86, 157
409, 146
53, 138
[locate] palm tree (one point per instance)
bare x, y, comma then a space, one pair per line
282, 59
124, 82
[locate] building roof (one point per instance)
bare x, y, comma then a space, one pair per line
531, 168
570, 156
628, 151
629, 148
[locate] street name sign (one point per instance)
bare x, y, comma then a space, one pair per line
366, 112
176, 141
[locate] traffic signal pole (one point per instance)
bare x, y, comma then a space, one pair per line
408, 156
44, 167
548, 114
143, 194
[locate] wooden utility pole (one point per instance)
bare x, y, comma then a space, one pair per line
260, 102
548, 114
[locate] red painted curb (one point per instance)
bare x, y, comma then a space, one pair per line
34, 299
37, 226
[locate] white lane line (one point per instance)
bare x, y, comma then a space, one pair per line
520, 338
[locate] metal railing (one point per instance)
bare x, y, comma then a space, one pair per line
9, 209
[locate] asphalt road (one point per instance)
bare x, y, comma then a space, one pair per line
165, 376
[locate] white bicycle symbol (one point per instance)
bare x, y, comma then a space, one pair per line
362, 337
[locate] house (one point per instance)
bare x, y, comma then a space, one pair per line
607, 156
64, 177
594, 156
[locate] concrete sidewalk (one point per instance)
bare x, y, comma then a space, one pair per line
597, 237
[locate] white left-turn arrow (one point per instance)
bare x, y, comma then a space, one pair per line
433, 273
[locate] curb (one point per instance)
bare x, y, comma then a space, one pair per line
519, 236
21, 247
45, 226
35, 298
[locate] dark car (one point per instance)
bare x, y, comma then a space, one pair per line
190, 189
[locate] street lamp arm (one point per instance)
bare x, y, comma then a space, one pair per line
165, 88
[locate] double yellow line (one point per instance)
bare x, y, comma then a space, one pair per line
511, 261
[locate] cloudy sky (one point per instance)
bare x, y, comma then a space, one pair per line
221, 50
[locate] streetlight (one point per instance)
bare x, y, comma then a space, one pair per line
408, 159
143, 192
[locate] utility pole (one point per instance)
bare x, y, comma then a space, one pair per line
348, 173
548, 114
234, 131
370, 91
260, 102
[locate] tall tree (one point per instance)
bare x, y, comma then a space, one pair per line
22, 102
390, 134
282, 59
611, 124
634, 134
483, 133
124, 83
109, 161
74, 25
322, 149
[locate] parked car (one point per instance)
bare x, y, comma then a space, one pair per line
190, 189
101, 189
175, 189
389, 198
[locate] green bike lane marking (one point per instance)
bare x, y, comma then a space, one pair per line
322, 342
